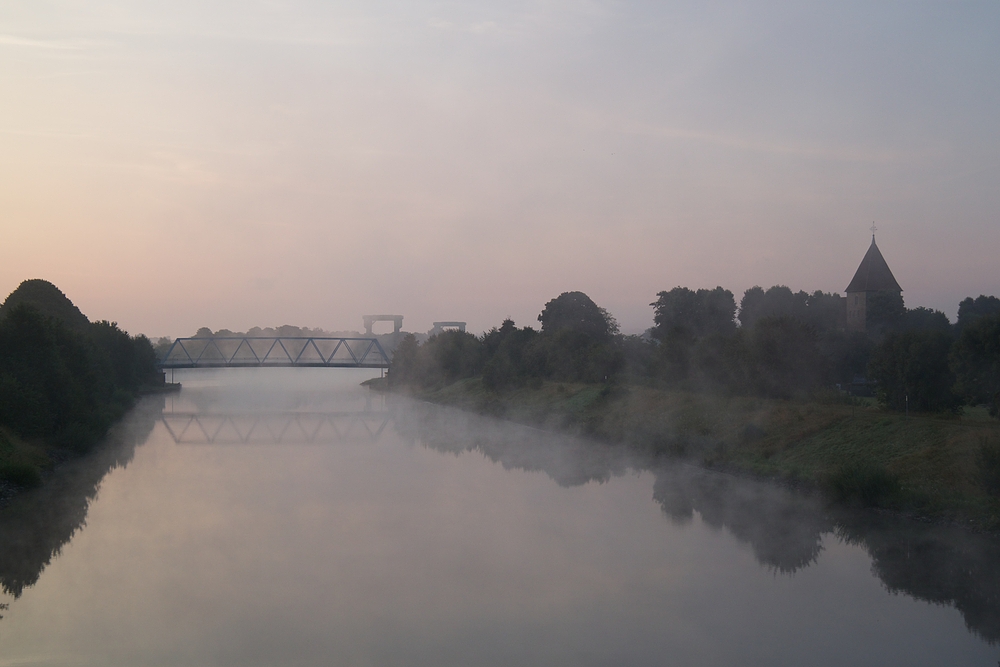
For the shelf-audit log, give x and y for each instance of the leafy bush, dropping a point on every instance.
(866, 483)
(443, 359)
(21, 474)
(975, 359)
(912, 371)
(782, 358)
(988, 462)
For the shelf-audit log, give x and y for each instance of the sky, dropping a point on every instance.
(255, 163)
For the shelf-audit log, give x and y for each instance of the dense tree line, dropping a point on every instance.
(64, 379)
(777, 343)
(577, 342)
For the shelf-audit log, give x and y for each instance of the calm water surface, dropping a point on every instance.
(292, 518)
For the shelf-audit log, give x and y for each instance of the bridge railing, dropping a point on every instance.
(276, 352)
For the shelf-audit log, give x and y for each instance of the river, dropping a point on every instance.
(291, 517)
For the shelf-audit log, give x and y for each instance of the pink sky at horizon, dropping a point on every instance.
(307, 163)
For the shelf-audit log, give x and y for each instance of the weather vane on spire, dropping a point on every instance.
(873, 229)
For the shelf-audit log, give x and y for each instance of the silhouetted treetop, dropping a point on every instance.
(821, 310)
(62, 378)
(48, 300)
(971, 309)
(575, 311)
(926, 319)
(695, 314)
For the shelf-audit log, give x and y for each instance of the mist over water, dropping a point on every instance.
(263, 517)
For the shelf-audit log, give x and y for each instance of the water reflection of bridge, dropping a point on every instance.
(248, 428)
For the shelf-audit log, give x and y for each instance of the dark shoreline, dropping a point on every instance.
(57, 458)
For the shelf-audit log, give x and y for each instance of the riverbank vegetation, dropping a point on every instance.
(63, 379)
(900, 416)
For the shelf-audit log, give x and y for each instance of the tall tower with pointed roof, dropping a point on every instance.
(872, 276)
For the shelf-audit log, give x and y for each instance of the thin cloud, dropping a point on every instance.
(48, 44)
(474, 28)
(799, 149)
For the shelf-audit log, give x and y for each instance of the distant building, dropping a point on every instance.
(439, 327)
(872, 276)
(370, 320)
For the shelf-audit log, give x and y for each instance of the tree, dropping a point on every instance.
(443, 359)
(911, 370)
(694, 314)
(575, 311)
(458, 354)
(777, 301)
(971, 309)
(578, 341)
(782, 358)
(884, 311)
(925, 319)
(847, 353)
(49, 301)
(825, 311)
(403, 367)
(573, 356)
(508, 359)
(67, 383)
(640, 356)
(975, 360)
(131, 362)
(821, 310)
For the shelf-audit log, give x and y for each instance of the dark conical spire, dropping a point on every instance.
(874, 274)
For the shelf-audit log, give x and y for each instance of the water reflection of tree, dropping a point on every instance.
(35, 525)
(939, 564)
(783, 527)
(568, 461)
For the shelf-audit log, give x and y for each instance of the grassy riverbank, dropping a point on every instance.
(942, 467)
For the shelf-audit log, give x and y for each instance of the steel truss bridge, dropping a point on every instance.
(276, 352)
(264, 428)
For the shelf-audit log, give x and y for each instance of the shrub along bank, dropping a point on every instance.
(63, 379)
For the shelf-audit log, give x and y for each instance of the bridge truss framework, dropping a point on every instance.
(274, 352)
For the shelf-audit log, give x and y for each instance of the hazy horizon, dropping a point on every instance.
(306, 163)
